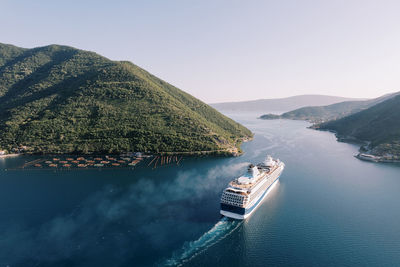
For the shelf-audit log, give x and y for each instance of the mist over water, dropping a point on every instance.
(328, 209)
(127, 219)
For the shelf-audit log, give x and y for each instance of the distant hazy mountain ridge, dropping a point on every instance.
(58, 99)
(279, 104)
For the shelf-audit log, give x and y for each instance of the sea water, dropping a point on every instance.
(328, 209)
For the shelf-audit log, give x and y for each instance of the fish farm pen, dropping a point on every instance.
(83, 162)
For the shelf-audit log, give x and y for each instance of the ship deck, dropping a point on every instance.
(235, 184)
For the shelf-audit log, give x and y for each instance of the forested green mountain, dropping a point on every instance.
(319, 114)
(58, 99)
(379, 125)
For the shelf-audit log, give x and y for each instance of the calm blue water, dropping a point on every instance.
(329, 209)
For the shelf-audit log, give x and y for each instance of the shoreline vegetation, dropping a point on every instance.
(366, 152)
(377, 126)
(232, 151)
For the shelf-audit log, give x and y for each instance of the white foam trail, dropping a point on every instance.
(190, 249)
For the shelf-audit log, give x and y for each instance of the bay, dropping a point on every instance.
(328, 209)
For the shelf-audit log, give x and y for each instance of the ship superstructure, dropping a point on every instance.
(244, 194)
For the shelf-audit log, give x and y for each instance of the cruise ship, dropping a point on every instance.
(244, 194)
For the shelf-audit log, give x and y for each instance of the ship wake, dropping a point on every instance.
(218, 232)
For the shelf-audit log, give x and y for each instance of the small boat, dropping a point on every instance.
(80, 158)
(75, 161)
(53, 165)
(48, 162)
(98, 165)
(38, 165)
(82, 165)
(104, 162)
(115, 164)
(69, 159)
(63, 161)
(368, 157)
(121, 161)
(56, 159)
(67, 165)
(132, 163)
(98, 159)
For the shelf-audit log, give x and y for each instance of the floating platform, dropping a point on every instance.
(84, 162)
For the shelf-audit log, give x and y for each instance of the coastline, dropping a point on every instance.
(234, 151)
(375, 158)
(366, 153)
(230, 150)
(10, 155)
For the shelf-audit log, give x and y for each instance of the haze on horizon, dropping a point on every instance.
(222, 51)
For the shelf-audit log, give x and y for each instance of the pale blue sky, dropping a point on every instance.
(228, 50)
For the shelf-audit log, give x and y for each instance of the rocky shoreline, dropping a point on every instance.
(374, 158)
(380, 153)
(9, 155)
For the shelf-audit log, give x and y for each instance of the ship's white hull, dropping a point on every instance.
(234, 215)
(253, 208)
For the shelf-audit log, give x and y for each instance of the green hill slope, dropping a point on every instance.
(324, 113)
(379, 125)
(59, 99)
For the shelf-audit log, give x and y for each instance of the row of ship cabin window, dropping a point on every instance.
(233, 199)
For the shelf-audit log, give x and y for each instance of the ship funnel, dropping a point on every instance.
(269, 162)
(253, 170)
